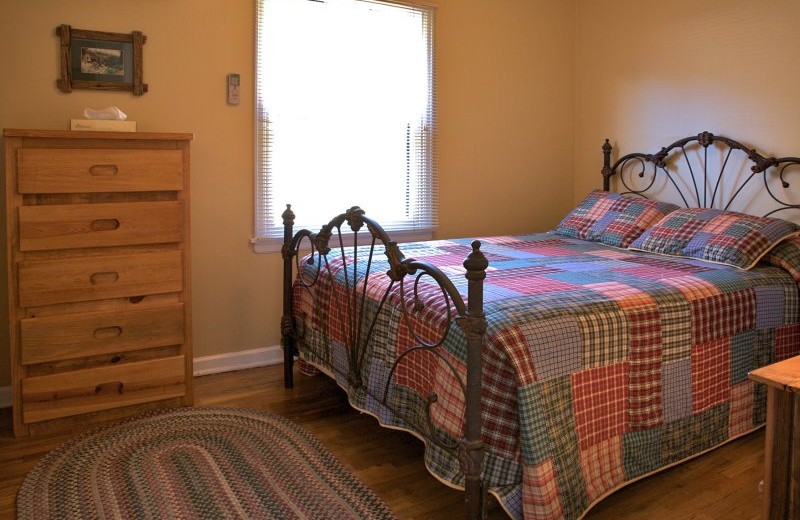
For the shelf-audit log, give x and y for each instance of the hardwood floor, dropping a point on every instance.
(719, 485)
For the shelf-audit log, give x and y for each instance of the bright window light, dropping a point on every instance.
(345, 114)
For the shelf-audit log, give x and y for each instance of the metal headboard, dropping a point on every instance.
(698, 167)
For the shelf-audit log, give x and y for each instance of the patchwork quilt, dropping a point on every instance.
(601, 365)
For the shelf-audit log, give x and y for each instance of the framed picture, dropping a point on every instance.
(101, 60)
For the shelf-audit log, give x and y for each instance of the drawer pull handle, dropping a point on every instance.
(112, 386)
(107, 332)
(105, 224)
(103, 169)
(104, 277)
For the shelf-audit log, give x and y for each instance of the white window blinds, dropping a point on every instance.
(345, 115)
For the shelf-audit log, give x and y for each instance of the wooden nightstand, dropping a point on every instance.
(782, 449)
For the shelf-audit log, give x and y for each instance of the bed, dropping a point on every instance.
(553, 368)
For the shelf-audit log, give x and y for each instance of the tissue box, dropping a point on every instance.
(106, 125)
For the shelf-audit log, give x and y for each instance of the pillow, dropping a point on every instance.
(715, 235)
(786, 255)
(611, 218)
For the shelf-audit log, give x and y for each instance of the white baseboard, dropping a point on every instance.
(229, 361)
(257, 357)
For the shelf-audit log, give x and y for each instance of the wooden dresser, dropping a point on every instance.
(99, 289)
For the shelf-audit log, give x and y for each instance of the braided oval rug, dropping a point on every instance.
(196, 463)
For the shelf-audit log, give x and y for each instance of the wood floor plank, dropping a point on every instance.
(721, 484)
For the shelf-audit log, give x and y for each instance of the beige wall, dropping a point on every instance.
(505, 90)
(522, 84)
(648, 73)
(505, 114)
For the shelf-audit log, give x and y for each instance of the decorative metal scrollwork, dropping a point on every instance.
(419, 290)
(355, 218)
(687, 168)
(705, 139)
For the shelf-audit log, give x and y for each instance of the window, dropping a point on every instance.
(344, 115)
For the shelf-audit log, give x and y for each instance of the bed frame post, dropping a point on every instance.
(287, 331)
(474, 327)
(606, 171)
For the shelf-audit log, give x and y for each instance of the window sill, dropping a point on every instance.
(273, 245)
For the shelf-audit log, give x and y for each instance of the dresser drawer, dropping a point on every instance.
(48, 170)
(46, 282)
(83, 391)
(66, 226)
(69, 336)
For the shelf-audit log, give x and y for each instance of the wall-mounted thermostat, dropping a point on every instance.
(233, 89)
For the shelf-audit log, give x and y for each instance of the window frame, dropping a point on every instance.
(268, 237)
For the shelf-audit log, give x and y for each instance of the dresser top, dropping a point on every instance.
(78, 134)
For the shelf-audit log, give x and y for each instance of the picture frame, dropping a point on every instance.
(97, 60)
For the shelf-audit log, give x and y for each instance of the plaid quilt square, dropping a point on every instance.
(711, 375)
(675, 320)
(693, 287)
(501, 408)
(602, 467)
(414, 319)
(724, 282)
(644, 368)
(694, 434)
(742, 355)
(715, 235)
(339, 359)
(787, 339)
(540, 493)
(600, 396)
(604, 333)
(741, 417)
(545, 249)
(447, 413)
(612, 254)
(676, 386)
(527, 285)
(625, 295)
(649, 271)
(674, 265)
(493, 293)
(764, 347)
(377, 393)
(723, 315)
(537, 444)
(336, 313)
(555, 346)
(641, 452)
(416, 371)
(769, 307)
(559, 397)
